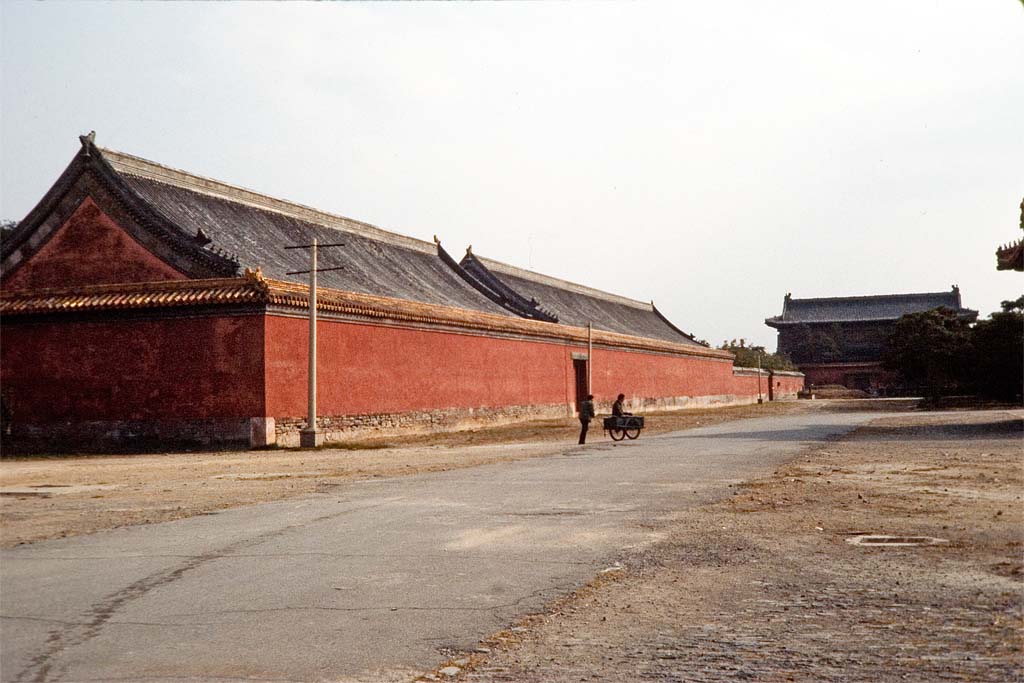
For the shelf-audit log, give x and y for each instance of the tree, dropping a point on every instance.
(809, 344)
(997, 353)
(1013, 305)
(930, 350)
(747, 356)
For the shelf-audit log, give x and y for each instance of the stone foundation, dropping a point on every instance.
(341, 428)
(105, 436)
(259, 432)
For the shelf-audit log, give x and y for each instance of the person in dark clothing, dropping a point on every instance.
(586, 415)
(617, 406)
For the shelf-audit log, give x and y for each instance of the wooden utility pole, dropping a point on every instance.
(759, 399)
(311, 436)
(590, 358)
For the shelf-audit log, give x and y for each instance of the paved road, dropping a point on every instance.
(370, 581)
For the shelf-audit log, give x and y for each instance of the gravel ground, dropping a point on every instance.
(766, 586)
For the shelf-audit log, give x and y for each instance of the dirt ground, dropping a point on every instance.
(55, 496)
(766, 586)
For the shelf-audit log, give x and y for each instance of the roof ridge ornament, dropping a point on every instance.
(87, 141)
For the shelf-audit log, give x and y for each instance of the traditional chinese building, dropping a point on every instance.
(143, 302)
(840, 340)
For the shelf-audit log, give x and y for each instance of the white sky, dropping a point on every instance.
(711, 156)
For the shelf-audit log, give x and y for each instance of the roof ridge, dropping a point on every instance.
(860, 297)
(540, 278)
(130, 164)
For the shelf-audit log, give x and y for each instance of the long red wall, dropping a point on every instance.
(177, 370)
(170, 369)
(213, 367)
(367, 369)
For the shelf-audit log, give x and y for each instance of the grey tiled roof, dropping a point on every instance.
(865, 308)
(577, 305)
(254, 228)
(213, 229)
(395, 267)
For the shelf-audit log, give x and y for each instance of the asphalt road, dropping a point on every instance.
(373, 580)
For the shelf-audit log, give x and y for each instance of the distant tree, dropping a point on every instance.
(930, 350)
(810, 344)
(747, 356)
(1015, 304)
(997, 353)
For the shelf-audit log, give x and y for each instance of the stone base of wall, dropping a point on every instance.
(256, 432)
(341, 428)
(106, 436)
(638, 405)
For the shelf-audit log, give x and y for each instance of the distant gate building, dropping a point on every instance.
(841, 340)
(143, 302)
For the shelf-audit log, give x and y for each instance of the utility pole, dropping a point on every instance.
(590, 358)
(759, 399)
(311, 436)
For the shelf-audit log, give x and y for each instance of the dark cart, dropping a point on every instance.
(623, 426)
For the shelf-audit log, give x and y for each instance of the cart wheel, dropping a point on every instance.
(617, 434)
(633, 432)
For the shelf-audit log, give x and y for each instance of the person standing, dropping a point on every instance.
(586, 415)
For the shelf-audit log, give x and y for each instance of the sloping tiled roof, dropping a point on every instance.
(255, 229)
(212, 229)
(864, 308)
(572, 304)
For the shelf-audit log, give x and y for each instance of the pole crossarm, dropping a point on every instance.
(318, 246)
(319, 270)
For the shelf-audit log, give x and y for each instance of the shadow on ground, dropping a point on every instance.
(1006, 428)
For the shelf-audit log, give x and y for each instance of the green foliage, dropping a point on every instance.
(997, 354)
(938, 352)
(747, 356)
(811, 344)
(1014, 305)
(929, 350)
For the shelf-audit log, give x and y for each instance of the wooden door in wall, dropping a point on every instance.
(580, 369)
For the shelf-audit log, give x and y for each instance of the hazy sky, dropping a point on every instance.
(711, 156)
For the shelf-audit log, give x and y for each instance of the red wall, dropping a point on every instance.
(138, 370)
(839, 374)
(366, 369)
(785, 384)
(181, 369)
(651, 375)
(89, 249)
(370, 369)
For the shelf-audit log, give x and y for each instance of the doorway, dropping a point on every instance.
(579, 367)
